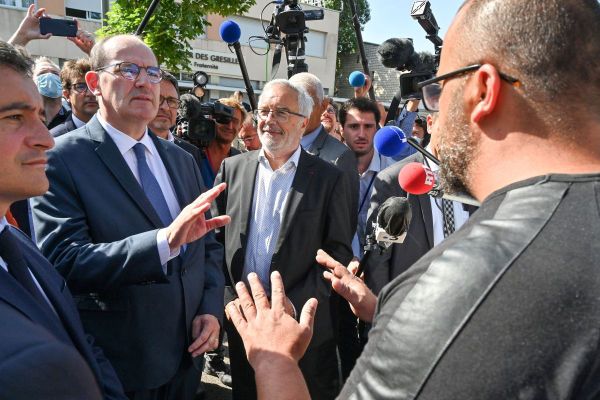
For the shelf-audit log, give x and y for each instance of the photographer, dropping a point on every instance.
(220, 147)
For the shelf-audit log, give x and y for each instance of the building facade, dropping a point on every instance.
(210, 54)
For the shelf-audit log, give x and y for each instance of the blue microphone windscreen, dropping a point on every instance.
(230, 31)
(389, 141)
(356, 79)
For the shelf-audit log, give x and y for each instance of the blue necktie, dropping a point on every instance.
(150, 185)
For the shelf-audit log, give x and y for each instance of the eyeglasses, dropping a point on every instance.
(280, 115)
(330, 110)
(432, 90)
(248, 138)
(80, 87)
(172, 102)
(131, 71)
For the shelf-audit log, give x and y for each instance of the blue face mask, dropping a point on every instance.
(49, 85)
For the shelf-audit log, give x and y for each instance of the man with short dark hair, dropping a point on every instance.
(44, 352)
(124, 221)
(505, 307)
(358, 118)
(82, 101)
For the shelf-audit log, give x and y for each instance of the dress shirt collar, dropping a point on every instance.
(375, 165)
(76, 121)
(308, 140)
(125, 142)
(3, 224)
(292, 161)
(432, 166)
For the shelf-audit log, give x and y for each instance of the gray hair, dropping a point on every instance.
(305, 102)
(311, 83)
(43, 61)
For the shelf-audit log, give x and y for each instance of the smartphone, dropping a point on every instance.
(58, 27)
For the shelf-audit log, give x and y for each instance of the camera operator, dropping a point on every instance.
(220, 147)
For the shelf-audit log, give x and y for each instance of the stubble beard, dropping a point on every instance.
(457, 148)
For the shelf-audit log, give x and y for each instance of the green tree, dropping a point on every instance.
(172, 26)
(346, 34)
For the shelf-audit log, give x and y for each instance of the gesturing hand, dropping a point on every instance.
(353, 289)
(268, 332)
(191, 223)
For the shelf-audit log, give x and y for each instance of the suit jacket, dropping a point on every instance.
(332, 150)
(316, 217)
(67, 126)
(99, 229)
(43, 355)
(190, 148)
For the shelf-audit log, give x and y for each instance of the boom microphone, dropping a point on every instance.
(230, 33)
(400, 54)
(416, 178)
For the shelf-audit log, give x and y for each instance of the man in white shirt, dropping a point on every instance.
(122, 222)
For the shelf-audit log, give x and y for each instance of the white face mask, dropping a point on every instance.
(418, 139)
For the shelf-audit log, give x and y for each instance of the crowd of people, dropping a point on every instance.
(127, 252)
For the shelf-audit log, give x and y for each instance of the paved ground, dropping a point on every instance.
(214, 389)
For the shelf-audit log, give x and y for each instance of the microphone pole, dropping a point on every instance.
(422, 150)
(361, 45)
(249, 89)
(149, 12)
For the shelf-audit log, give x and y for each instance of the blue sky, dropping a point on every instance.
(391, 18)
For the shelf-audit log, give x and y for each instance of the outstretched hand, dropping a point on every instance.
(268, 331)
(29, 29)
(353, 289)
(191, 223)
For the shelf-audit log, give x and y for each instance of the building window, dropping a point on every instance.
(17, 3)
(73, 12)
(82, 14)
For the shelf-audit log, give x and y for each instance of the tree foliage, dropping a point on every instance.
(346, 35)
(172, 26)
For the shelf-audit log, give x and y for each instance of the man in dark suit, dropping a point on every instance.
(166, 117)
(44, 352)
(426, 227)
(83, 102)
(115, 223)
(318, 142)
(286, 204)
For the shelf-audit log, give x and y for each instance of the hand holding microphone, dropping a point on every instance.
(360, 82)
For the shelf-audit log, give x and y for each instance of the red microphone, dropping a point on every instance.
(416, 178)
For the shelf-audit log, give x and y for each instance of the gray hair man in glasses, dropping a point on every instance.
(505, 307)
(82, 101)
(124, 222)
(285, 204)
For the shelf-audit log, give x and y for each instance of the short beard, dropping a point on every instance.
(457, 148)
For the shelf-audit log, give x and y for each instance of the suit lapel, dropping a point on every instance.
(425, 203)
(113, 160)
(304, 174)
(319, 142)
(245, 196)
(169, 159)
